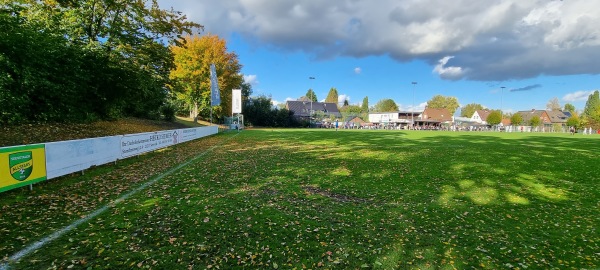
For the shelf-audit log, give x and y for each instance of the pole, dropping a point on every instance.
(311, 112)
(412, 111)
(501, 94)
(311, 102)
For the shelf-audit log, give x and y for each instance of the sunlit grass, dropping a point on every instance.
(345, 199)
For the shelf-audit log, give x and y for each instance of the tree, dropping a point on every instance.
(591, 112)
(553, 104)
(516, 119)
(246, 92)
(569, 108)
(346, 102)
(441, 102)
(355, 109)
(310, 94)
(125, 27)
(365, 105)
(573, 121)
(350, 110)
(535, 121)
(284, 118)
(87, 59)
(332, 96)
(469, 109)
(386, 105)
(192, 73)
(494, 118)
(258, 111)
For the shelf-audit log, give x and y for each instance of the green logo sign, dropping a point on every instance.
(21, 165)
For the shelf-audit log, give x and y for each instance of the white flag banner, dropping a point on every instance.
(236, 101)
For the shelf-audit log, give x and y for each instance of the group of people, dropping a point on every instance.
(586, 131)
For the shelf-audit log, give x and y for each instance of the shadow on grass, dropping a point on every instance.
(352, 199)
(474, 200)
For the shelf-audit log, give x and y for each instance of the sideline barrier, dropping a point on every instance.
(28, 164)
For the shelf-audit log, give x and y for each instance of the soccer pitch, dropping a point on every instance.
(312, 198)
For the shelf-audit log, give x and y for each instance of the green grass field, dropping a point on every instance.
(325, 199)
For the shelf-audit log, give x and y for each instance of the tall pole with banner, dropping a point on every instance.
(236, 105)
(215, 95)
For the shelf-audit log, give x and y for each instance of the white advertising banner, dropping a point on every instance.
(67, 157)
(189, 134)
(236, 101)
(207, 131)
(73, 156)
(135, 144)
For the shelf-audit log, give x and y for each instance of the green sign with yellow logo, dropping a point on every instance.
(22, 165)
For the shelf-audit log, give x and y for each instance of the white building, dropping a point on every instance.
(395, 118)
(480, 116)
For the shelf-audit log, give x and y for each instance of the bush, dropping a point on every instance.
(168, 112)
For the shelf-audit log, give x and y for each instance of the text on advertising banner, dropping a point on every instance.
(136, 144)
(22, 165)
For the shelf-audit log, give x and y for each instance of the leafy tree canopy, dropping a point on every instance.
(87, 59)
(535, 121)
(569, 108)
(386, 105)
(469, 109)
(591, 112)
(259, 111)
(516, 119)
(573, 121)
(310, 94)
(441, 102)
(192, 72)
(125, 26)
(365, 105)
(494, 118)
(332, 96)
(351, 109)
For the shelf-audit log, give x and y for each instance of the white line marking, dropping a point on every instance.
(35, 246)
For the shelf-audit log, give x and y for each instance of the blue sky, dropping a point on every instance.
(536, 49)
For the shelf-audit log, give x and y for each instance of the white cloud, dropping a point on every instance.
(420, 107)
(251, 79)
(410, 108)
(452, 73)
(343, 97)
(492, 40)
(276, 103)
(577, 96)
(357, 70)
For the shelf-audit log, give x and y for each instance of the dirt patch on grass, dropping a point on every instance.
(335, 196)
